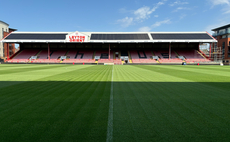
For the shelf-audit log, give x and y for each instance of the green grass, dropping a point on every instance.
(150, 103)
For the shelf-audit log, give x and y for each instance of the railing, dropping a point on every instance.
(221, 33)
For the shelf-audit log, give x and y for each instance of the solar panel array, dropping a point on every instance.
(174, 36)
(36, 36)
(119, 37)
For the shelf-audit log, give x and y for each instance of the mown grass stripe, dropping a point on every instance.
(110, 114)
(151, 103)
(178, 109)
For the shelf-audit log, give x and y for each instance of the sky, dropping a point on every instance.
(115, 15)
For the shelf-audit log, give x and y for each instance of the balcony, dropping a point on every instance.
(221, 33)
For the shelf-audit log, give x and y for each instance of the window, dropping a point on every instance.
(222, 31)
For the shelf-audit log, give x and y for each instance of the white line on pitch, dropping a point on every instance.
(110, 117)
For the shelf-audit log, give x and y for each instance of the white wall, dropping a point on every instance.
(4, 27)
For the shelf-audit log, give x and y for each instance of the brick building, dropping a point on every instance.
(4, 27)
(222, 34)
(4, 31)
(12, 48)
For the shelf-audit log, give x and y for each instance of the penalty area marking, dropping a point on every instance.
(109, 137)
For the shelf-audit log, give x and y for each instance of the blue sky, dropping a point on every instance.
(115, 16)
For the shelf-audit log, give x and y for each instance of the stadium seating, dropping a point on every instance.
(104, 56)
(191, 55)
(142, 56)
(43, 54)
(85, 54)
(26, 54)
(88, 55)
(71, 54)
(58, 53)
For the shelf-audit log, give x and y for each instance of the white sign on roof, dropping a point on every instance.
(76, 37)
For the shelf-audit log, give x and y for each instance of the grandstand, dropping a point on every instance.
(117, 47)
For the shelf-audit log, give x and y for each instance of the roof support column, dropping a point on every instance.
(169, 50)
(109, 51)
(48, 51)
(7, 51)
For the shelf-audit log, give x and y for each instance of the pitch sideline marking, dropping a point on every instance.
(110, 117)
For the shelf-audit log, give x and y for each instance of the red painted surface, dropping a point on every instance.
(210, 35)
(7, 51)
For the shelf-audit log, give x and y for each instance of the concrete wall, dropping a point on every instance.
(4, 27)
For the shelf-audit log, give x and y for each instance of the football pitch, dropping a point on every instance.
(114, 103)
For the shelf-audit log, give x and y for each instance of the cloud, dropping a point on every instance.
(144, 29)
(139, 15)
(178, 3)
(124, 10)
(145, 11)
(182, 16)
(156, 24)
(227, 11)
(224, 3)
(181, 8)
(220, 2)
(159, 23)
(125, 22)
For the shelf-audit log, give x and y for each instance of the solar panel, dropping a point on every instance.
(174, 36)
(36, 36)
(119, 37)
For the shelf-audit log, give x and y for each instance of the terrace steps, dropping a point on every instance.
(38, 53)
(66, 53)
(201, 54)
